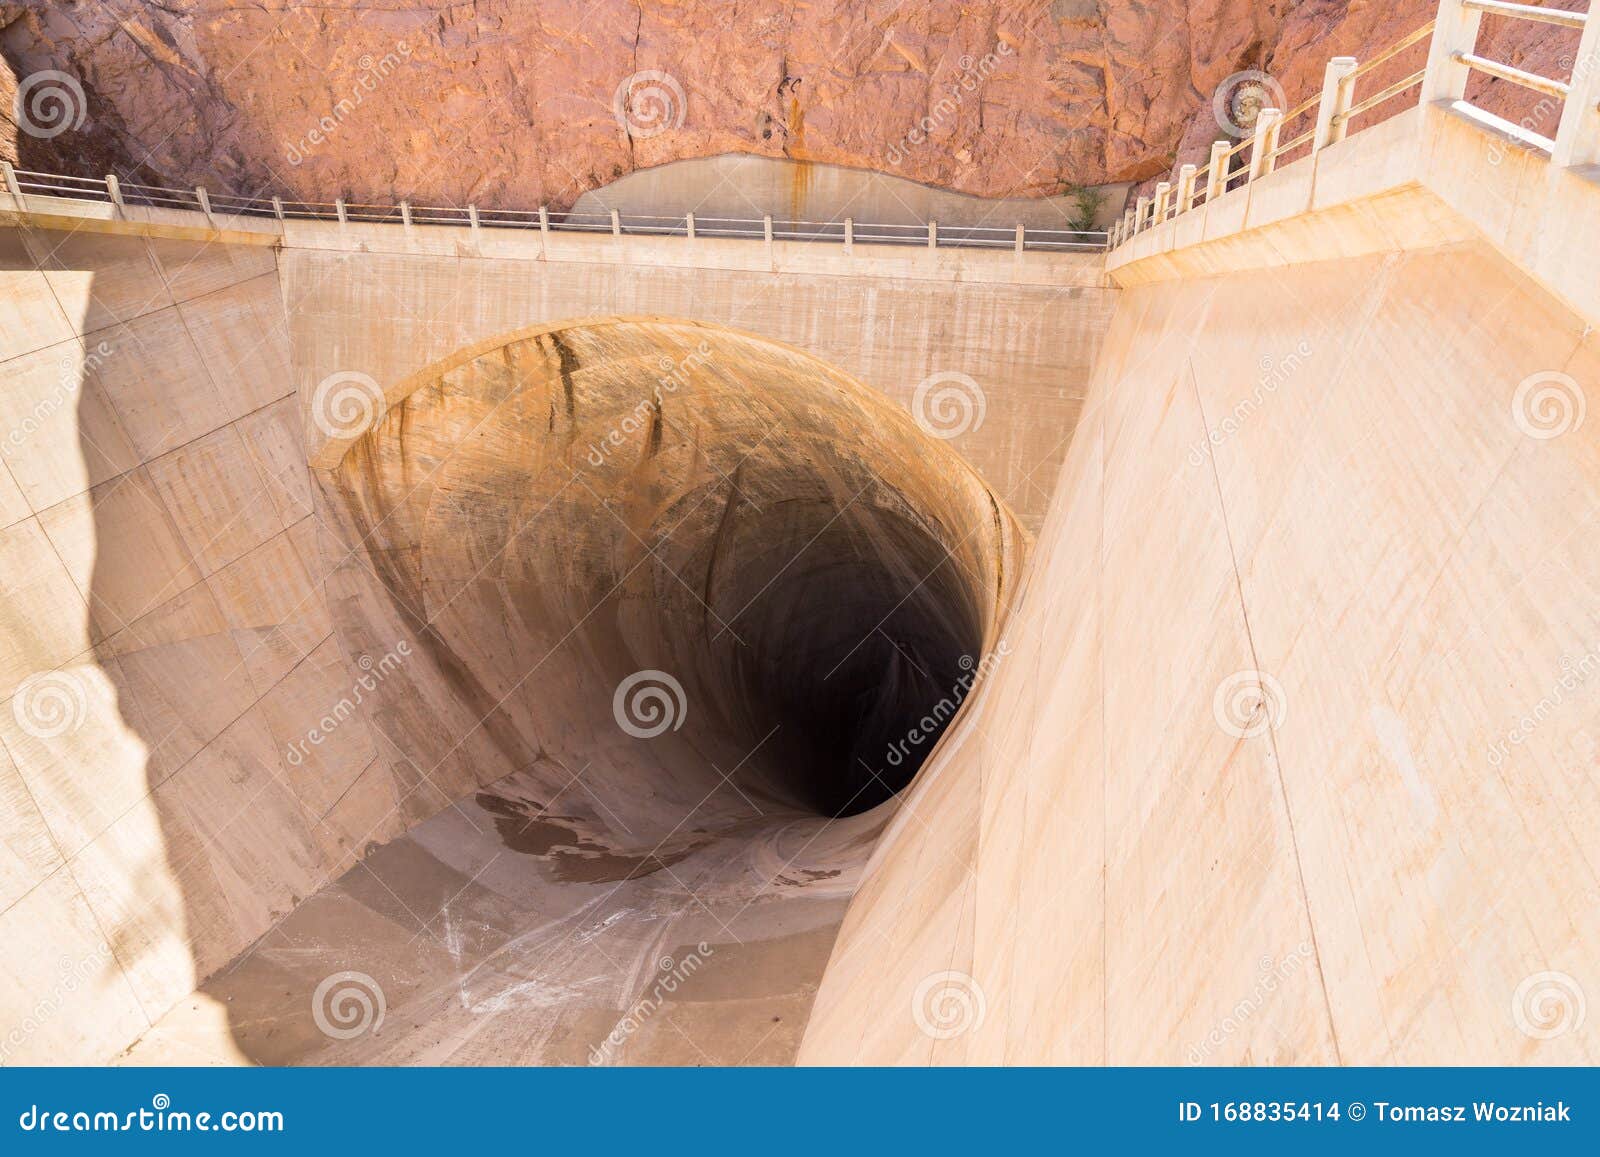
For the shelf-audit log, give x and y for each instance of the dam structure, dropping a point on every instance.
(473, 636)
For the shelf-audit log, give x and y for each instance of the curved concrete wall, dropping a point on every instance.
(1294, 758)
(739, 185)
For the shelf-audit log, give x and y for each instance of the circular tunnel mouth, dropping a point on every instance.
(806, 578)
(856, 658)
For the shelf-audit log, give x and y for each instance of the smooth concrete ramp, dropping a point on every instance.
(1296, 756)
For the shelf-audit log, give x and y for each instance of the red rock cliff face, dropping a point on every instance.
(516, 102)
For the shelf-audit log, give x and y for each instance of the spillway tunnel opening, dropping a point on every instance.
(850, 655)
(736, 570)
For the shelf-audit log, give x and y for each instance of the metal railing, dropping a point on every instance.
(1452, 36)
(1462, 52)
(121, 193)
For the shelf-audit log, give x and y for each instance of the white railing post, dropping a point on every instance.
(405, 213)
(1141, 212)
(338, 207)
(205, 203)
(849, 235)
(114, 191)
(1217, 173)
(1578, 138)
(1186, 188)
(277, 207)
(616, 223)
(1021, 240)
(1338, 93)
(688, 224)
(472, 218)
(933, 234)
(11, 182)
(1163, 192)
(1455, 29)
(544, 231)
(1266, 140)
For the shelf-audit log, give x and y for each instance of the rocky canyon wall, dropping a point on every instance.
(517, 103)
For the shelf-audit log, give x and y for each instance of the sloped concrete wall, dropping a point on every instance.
(165, 637)
(1295, 757)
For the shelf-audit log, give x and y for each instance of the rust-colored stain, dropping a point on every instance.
(800, 174)
(800, 179)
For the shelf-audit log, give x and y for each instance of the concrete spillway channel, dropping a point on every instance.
(705, 595)
(389, 683)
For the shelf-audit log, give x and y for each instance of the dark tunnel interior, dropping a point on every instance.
(857, 651)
